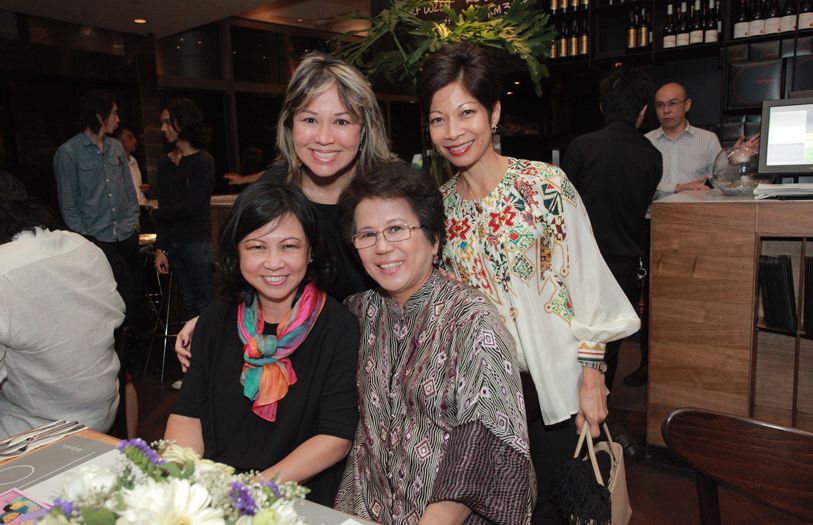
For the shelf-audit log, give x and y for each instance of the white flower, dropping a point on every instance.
(178, 454)
(89, 481)
(176, 502)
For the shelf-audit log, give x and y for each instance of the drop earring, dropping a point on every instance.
(493, 130)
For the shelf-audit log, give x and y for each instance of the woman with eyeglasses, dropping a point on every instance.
(442, 436)
(517, 231)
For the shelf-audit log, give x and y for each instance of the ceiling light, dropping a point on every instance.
(516, 82)
(139, 20)
(510, 93)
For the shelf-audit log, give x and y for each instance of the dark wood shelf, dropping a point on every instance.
(687, 52)
(787, 35)
(744, 110)
(621, 6)
(761, 327)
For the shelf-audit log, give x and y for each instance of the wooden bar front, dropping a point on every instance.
(704, 310)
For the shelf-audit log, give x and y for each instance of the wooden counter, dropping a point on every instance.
(705, 348)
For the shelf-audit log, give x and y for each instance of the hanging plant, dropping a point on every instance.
(398, 40)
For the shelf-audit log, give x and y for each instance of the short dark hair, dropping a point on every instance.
(94, 105)
(187, 120)
(17, 212)
(623, 94)
(473, 66)
(396, 180)
(260, 204)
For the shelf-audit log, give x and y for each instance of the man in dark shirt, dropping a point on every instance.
(616, 171)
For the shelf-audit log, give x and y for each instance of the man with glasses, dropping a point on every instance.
(688, 152)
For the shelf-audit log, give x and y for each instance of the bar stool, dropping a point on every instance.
(163, 304)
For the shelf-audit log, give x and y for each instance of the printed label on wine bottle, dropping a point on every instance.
(668, 41)
(682, 39)
(696, 37)
(772, 25)
(756, 27)
(741, 30)
(712, 36)
(788, 23)
(806, 20)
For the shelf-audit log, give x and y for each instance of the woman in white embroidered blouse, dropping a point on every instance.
(517, 231)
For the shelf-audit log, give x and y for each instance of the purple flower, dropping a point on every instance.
(274, 488)
(142, 447)
(67, 507)
(242, 498)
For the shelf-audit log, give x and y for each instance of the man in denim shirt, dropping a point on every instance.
(96, 194)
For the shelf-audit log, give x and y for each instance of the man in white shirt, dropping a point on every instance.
(688, 152)
(58, 310)
(129, 142)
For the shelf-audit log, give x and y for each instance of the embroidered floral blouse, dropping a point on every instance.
(441, 410)
(528, 246)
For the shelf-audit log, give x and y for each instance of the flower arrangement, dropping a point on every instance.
(170, 484)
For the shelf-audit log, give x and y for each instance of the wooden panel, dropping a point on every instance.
(785, 218)
(804, 397)
(701, 311)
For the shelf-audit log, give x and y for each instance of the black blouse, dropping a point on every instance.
(322, 401)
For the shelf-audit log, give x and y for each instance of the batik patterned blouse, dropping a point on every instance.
(442, 415)
(529, 248)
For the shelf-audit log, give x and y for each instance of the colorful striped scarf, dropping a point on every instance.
(267, 371)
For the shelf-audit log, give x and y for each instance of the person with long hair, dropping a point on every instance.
(330, 128)
(272, 385)
(185, 180)
(517, 231)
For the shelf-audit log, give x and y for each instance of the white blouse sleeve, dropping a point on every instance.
(601, 311)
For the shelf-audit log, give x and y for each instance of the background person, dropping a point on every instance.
(330, 129)
(129, 142)
(97, 198)
(272, 385)
(442, 436)
(58, 310)
(517, 231)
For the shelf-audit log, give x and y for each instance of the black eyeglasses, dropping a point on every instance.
(394, 233)
(672, 104)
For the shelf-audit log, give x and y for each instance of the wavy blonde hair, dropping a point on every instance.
(316, 73)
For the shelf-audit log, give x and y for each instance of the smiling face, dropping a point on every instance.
(274, 261)
(326, 136)
(169, 131)
(460, 126)
(401, 267)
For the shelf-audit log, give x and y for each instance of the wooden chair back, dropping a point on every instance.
(119, 428)
(768, 463)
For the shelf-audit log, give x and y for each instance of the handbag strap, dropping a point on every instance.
(585, 437)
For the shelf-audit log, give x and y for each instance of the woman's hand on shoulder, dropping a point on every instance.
(592, 401)
(183, 343)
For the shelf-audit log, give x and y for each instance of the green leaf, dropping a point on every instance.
(97, 516)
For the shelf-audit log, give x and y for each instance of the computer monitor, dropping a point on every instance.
(786, 138)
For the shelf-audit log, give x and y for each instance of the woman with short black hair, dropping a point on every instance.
(272, 385)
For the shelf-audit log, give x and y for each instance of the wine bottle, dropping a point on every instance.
(756, 26)
(696, 29)
(773, 17)
(632, 31)
(711, 34)
(553, 51)
(574, 5)
(682, 38)
(643, 29)
(564, 35)
(585, 4)
(741, 21)
(584, 39)
(554, 6)
(788, 21)
(719, 16)
(669, 28)
(806, 15)
(575, 33)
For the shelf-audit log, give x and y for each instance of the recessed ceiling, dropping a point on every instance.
(167, 17)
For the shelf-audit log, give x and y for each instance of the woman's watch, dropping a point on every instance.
(601, 366)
